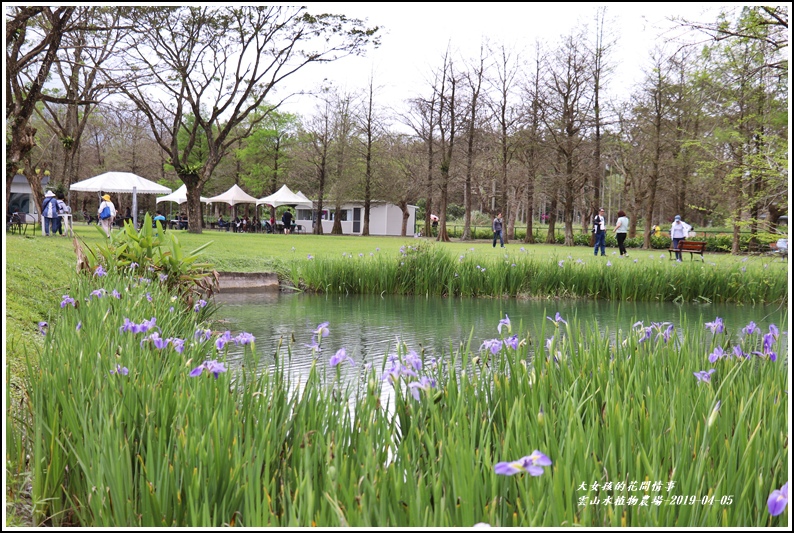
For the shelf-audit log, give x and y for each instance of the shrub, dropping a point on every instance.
(152, 250)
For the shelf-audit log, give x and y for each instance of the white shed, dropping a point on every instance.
(384, 218)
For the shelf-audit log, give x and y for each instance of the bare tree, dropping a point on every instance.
(320, 133)
(657, 90)
(447, 128)
(343, 131)
(33, 37)
(370, 127)
(504, 112)
(423, 121)
(83, 51)
(216, 65)
(599, 70)
(567, 106)
(474, 80)
(529, 151)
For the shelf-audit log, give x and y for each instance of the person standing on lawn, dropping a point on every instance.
(600, 232)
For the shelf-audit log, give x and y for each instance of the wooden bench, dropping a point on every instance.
(693, 247)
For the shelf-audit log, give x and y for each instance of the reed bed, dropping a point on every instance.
(135, 421)
(431, 270)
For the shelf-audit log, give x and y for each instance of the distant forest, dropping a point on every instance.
(186, 95)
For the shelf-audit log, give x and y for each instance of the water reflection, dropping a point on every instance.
(368, 326)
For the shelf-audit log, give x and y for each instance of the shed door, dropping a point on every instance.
(356, 220)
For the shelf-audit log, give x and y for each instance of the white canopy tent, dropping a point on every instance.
(235, 195)
(121, 182)
(179, 196)
(283, 196)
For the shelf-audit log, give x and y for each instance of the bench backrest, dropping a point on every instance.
(692, 245)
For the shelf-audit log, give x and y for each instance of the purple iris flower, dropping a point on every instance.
(116, 294)
(100, 271)
(717, 354)
(704, 375)
(314, 346)
(177, 343)
(413, 359)
(322, 330)
(557, 319)
(79, 326)
(504, 322)
(213, 367)
(163, 278)
(158, 341)
(244, 338)
(494, 345)
(751, 328)
(202, 334)
(646, 334)
(120, 370)
(665, 335)
(341, 355)
(737, 351)
(99, 293)
(560, 263)
(149, 296)
(512, 342)
(67, 300)
(778, 500)
(774, 331)
(222, 339)
(766, 348)
(549, 343)
(43, 328)
(717, 326)
(424, 384)
(531, 463)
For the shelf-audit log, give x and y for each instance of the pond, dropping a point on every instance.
(368, 326)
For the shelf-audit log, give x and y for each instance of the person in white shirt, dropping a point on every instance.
(678, 232)
(107, 222)
(621, 231)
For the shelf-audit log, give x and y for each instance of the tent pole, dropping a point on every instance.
(135, 207)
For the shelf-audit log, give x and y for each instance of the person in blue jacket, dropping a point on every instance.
(49, 209)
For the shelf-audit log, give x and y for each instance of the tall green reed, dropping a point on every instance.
(425, 269)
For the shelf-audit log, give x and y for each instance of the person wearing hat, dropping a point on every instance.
(600, 232)
(678, 232)
(49, 210)
(106, 216)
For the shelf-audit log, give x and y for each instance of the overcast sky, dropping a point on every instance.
(415, 36)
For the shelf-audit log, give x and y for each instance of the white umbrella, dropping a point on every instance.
(179, 196)
(121, 182)
(433, 217)
(283, 196)
(235, 195)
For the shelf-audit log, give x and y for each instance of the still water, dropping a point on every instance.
(368, 326)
